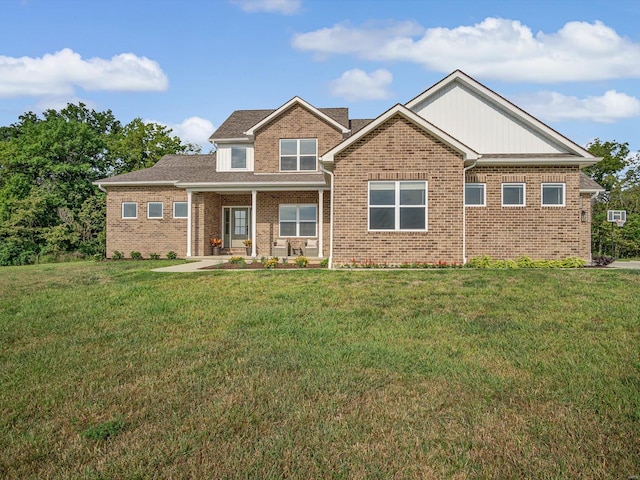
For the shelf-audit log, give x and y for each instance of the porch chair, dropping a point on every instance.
(280, 248)
(311, 247)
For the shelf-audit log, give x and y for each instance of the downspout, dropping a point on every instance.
(464, 212)
(324, 170)
(101, 188)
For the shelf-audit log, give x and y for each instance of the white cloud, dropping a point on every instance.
(356, 84)
(555, 106)
(286, 7)
(58, 74)
(193, 130)
(494, 48)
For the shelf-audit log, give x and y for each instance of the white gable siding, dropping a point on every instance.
(481, 124)
(223, 157)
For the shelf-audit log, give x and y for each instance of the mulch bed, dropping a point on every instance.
(258, 266)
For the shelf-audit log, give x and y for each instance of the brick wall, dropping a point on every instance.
(296, 122)
(145, 235)
(533, 230)
(398, 150)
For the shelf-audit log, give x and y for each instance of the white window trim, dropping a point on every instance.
(553, 184)
(246, 159)
(397, 205)
(155, 218)
(524, 194)
(484, 195)
(174, 211)
(298, 205)
(129, 203)
(298, 155)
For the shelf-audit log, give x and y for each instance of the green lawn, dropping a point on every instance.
(112, 371)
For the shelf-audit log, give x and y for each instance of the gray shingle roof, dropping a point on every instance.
(356, 124)
(587, 183)
(202, 169)
(242, 120)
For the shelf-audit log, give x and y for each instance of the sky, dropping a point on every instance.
(188, 64)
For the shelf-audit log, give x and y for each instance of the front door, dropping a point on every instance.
(238, 226)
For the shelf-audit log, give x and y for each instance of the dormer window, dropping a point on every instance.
(298, 154)
(238, 158)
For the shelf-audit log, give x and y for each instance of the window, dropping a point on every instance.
(553, 194)
(298, 220)
(238, 157)
(298, 155)
(180, 209)
(474, 194)
(513, 195)
(397, 205)
(129, 210)
(154, 210)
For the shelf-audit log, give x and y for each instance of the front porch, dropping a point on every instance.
(260, 218)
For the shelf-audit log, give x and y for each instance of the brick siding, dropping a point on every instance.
(296, 122)
(398, 150)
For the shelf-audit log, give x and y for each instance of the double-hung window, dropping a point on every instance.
(298, 220)
(154, 209)
(513, 195)
(398, 205)
(238, 158)
(298, 155)
(552, 194)
(129, 210)
(475, 194)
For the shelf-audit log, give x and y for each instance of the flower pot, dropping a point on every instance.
(248, 250)
(215, 250)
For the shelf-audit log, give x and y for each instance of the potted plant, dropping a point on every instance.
(216, 244)
(247, 245)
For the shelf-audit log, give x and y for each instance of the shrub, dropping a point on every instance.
(154, 256)
(301, 261)
(172, 255)
(98, 257)
(135, 255)
(486, 261)
(117, 255)
(271, 263)
(237, 259)
(324, 263)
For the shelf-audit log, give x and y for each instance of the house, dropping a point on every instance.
(456, 172)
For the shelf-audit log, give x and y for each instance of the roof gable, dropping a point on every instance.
(467, 153)
(299, 101)
(486, 121)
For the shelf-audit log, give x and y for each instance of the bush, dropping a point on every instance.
(271, 263)
(172, 255)
(486, 261)
(237, 260)
(154, 256)
(301, 261)
(135, 255)
(117, 255)
(98, 257)
(324, 263)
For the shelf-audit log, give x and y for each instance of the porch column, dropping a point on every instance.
(254, 198)
(189, 204)
(320, 221)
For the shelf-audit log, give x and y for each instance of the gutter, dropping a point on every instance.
(464, 211)
(101, 188)
(322, 169)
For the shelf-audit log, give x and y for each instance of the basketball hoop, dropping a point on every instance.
(620, 222)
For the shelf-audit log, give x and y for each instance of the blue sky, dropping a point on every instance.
(188, 64)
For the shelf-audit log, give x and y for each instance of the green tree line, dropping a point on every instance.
(619, 173)
(49, 208)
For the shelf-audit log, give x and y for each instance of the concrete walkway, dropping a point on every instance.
(633, 265)
(193, 266)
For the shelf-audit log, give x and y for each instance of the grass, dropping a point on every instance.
(109, 370)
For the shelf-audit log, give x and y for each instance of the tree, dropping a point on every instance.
(48, 204)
